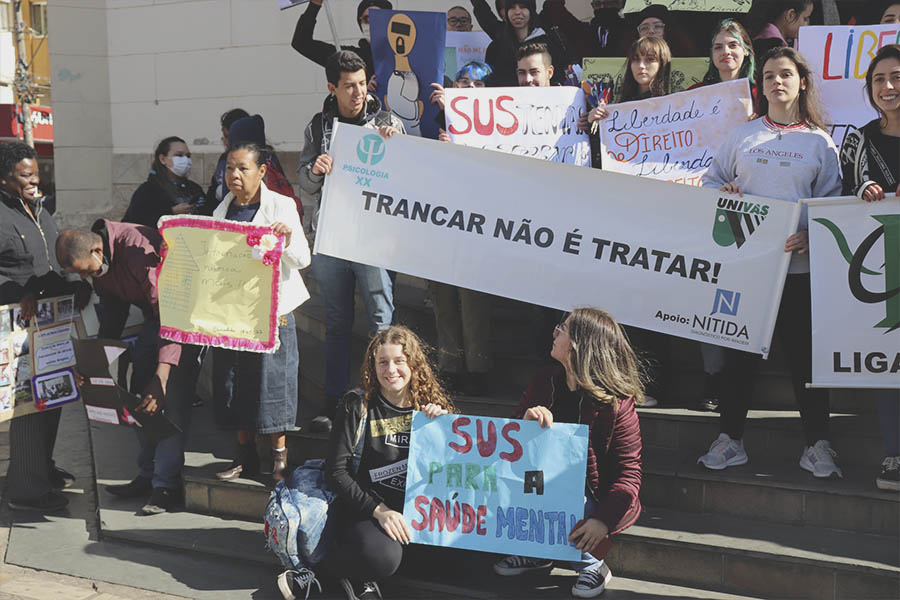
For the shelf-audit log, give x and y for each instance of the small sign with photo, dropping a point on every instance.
(55, 389)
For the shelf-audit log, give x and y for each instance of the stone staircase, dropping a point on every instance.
(763, 530)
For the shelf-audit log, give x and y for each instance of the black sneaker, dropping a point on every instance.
(137, 487)
(367, 591)
(60, 478)
(48, 503)
(889, 478)
(293, 583)
(161, 500)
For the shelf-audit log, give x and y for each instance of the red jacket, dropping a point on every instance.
(133, 255)
(614, 448)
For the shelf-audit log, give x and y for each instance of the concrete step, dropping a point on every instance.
(772, 490)
(769, 434)
(759, 559)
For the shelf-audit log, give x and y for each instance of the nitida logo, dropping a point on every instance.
(737, 220)
(890, 229)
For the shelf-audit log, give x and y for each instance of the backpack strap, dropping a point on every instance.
(360, 440)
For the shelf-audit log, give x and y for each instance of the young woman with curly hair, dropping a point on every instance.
(397, 379)
(596, 382)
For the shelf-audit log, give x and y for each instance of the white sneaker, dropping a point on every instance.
(516, 565)
(592, 582)
(724, 452)
(818, 459)
(295, 582)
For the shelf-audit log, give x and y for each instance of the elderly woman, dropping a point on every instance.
(264, 393)
(29, 270)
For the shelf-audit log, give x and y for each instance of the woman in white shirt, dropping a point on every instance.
(265, 389)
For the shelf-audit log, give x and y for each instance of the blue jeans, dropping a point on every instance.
(588, 561)
(162, 461)
(336, 279)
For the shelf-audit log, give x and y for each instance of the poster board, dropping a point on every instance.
(37, 358)
(540, 122)
(854, 256)
(496, 485)
(736, 6)
(839, 56)
(408, 49)
(673, 138)
(468, 46)
(218, 283)
(690, 262)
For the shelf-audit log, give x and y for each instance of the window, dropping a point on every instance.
(39, 19)
(6, 19)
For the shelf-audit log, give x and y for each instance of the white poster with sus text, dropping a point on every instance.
(541, 122)
(686, 261)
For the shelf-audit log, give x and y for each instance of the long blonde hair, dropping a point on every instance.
(424, 387)
(602, 361)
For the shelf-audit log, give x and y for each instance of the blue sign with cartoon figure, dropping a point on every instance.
(408, 50)
(496, 485)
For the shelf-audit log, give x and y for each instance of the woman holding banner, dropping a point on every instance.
(264, 398)
(870, 163)
(793, 130)
(596, 383)
(369, 527)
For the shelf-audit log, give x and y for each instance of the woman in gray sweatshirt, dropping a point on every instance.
(786, 154)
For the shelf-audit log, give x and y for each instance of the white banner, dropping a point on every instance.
(673, 138)
(855, 268)
(469, 45)
(839, 57)
(686, 261)
(541, 122)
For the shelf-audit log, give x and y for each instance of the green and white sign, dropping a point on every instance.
(855, 269)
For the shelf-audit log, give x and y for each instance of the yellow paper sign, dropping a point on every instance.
(685, 72)
(218, 283)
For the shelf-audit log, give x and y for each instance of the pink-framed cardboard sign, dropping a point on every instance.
(218, 283)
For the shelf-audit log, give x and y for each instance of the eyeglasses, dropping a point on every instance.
(456, 21)
(651, 27)
(561, 328)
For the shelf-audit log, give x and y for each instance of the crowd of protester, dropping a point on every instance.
(591, 356)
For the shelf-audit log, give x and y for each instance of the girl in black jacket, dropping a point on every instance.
(521, 27)
(167, 191)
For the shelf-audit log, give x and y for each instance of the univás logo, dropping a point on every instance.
(736, 220)
(726, 302)
(890, 229)
(370, 149)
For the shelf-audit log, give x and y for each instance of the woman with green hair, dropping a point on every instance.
(730, 56)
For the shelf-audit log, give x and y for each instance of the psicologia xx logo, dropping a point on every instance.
(370, 149)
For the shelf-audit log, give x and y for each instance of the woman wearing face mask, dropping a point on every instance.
(870, 163)
(167, 191)
(781, 22)
(264, 392)
(792, 128)
(370, 531)
(521, 26)
(595, 383)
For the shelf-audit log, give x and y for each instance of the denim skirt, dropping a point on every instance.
(265, 390)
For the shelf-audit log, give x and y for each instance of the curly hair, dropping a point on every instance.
(11, 154)
(424, 387)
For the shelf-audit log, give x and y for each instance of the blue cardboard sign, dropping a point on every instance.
(496, 485)
(408, 51)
